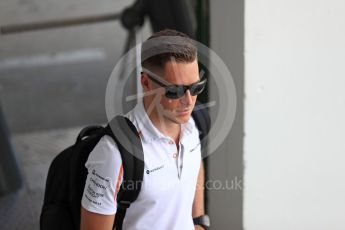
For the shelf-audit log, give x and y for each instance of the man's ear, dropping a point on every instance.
(145, 81)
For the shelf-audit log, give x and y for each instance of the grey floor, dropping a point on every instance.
(35, 151)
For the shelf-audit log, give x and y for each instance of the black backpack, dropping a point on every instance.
(67, 173)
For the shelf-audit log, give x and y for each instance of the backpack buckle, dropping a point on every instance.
(123, 204)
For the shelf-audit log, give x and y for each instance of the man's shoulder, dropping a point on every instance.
(107, 141)
(106, 148)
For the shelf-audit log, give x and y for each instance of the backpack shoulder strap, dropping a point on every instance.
(202, 120)
(126, 136)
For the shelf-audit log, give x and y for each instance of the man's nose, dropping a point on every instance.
(187, 98)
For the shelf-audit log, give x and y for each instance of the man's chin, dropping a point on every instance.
(179, 119)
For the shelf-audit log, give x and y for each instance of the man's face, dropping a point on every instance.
(176, 73)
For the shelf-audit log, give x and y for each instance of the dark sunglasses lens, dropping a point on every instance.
(197, 88)
(174, 92)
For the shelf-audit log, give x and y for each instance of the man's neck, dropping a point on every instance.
(164, 125)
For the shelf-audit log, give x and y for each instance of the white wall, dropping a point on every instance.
(294, 147)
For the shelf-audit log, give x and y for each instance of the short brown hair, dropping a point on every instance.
(166, 45)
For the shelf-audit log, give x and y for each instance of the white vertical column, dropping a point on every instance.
(294, 115)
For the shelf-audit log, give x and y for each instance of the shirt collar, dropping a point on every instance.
(145, 127)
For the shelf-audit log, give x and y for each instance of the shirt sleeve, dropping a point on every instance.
(105, 174)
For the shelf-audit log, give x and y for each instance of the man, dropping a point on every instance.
(172, 190)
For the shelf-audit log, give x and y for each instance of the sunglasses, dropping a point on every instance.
(177, 91)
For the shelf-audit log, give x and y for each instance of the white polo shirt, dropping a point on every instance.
(170, 176)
